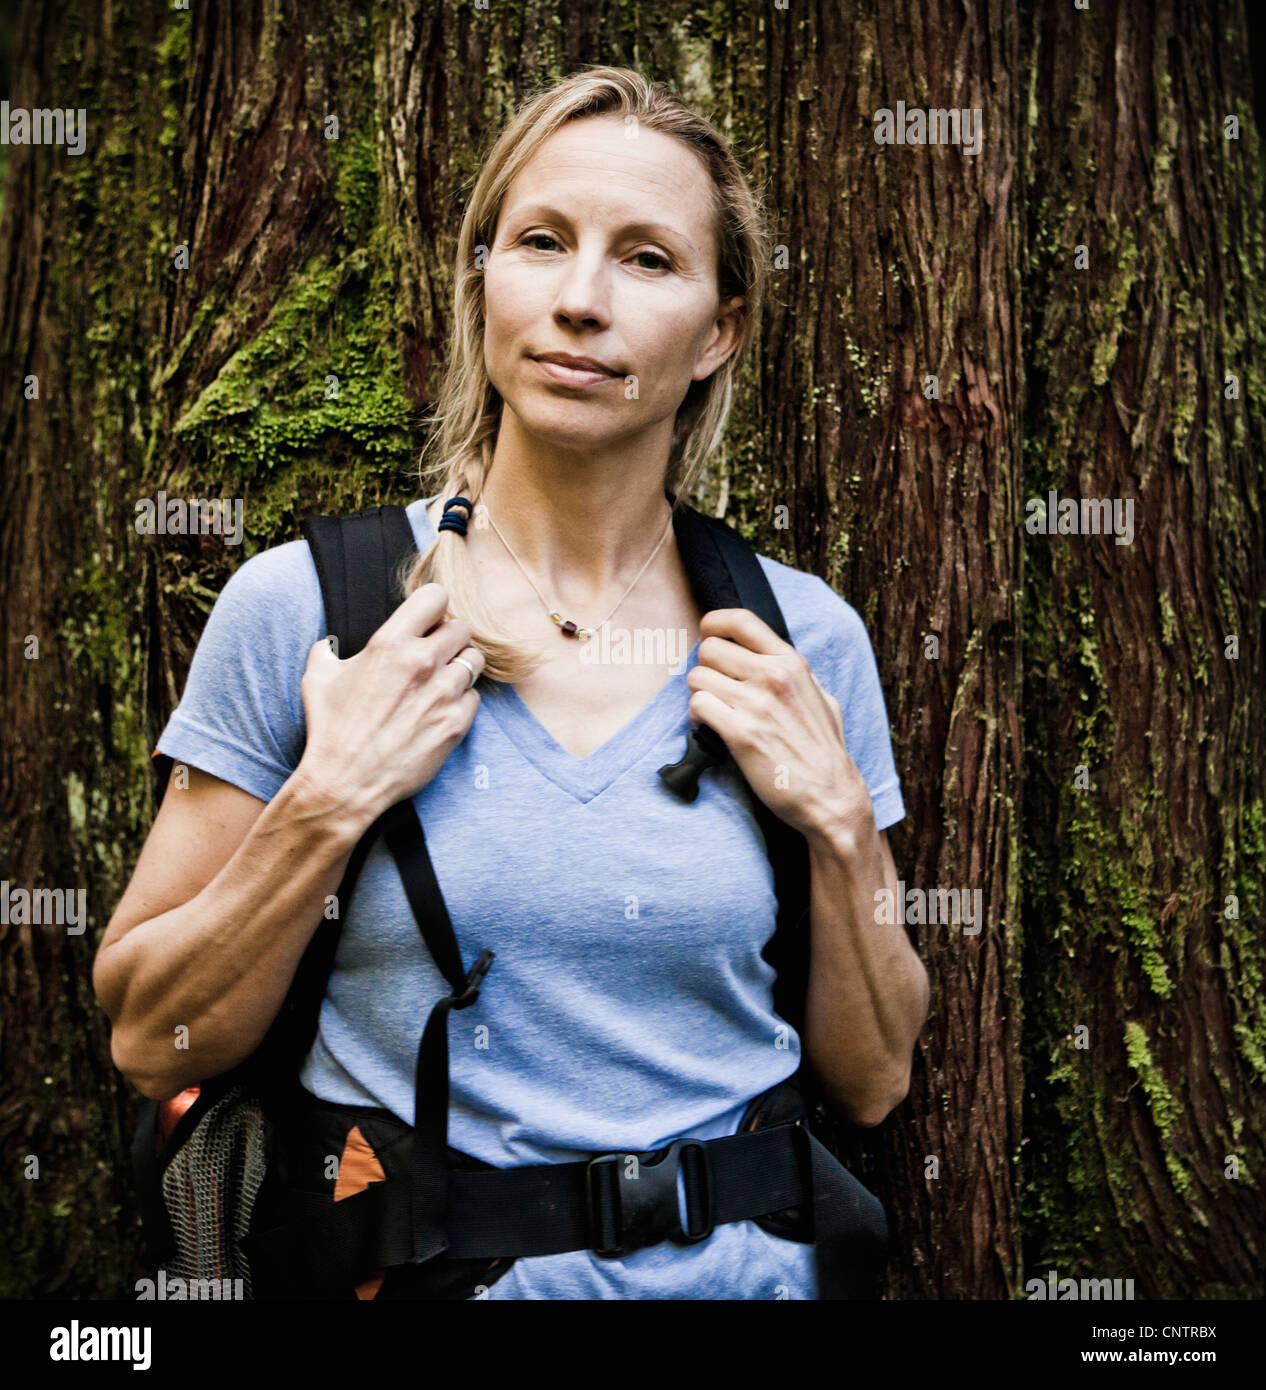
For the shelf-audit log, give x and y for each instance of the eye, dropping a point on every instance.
(662, 262)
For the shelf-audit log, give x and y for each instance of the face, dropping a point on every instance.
(606, 250)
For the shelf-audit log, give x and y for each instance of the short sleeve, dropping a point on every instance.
(847, 668)
(241, 716)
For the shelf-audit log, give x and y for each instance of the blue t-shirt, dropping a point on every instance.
(628, 1005)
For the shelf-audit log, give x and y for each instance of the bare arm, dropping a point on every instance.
(224, 899)
(868, 990)
(228, 889)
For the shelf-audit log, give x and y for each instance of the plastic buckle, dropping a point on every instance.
(643, 1210)
(474, 980)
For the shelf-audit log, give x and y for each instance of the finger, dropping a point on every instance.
(707, 708)
(324, 644)
(476, 659)
(729, 657)
(462, 678)
(743, 626)
(418, 614)
(448, 639)
(726, 688)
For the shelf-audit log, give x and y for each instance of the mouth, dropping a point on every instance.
(574, 371)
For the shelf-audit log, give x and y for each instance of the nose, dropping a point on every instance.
(583, 291)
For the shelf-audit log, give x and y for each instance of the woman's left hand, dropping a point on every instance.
(785, 731)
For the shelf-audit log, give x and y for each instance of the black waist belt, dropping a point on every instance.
(618, 1202)
(611, 1204)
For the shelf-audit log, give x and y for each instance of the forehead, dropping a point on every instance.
(592, 168)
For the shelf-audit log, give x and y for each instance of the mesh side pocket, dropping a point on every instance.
(210, 1186)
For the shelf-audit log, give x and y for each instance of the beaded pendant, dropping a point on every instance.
(570, 629)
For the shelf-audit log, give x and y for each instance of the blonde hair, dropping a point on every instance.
(468, 408)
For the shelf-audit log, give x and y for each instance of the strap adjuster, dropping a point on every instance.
(633, 1204)
(474, 979)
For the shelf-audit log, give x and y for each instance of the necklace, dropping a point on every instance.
(569, 628)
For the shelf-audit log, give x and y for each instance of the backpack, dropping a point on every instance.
(234, 1175)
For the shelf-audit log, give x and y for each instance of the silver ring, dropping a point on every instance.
(474, 675)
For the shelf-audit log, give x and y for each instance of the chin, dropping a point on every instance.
(577, 425)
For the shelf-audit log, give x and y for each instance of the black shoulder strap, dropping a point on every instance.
(724, 572)
(723, 569)
(359, 560)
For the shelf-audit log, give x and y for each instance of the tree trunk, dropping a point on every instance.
(889, 388)
(1145, 1025)
(931, 359)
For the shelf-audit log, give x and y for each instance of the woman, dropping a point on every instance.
(611, 266)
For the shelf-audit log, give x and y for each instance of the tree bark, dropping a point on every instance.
(888, 391)
(1145, 1147)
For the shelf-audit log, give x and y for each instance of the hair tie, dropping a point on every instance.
(457, 512)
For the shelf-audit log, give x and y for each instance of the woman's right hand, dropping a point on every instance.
(381, 723)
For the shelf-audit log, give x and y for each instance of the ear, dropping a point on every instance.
(726, 332)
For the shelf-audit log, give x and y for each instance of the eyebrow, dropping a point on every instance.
(531, 211)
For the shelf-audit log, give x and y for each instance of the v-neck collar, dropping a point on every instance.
(587, 777)
(591, 775)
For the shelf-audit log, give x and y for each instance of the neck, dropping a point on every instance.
(581, 526)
